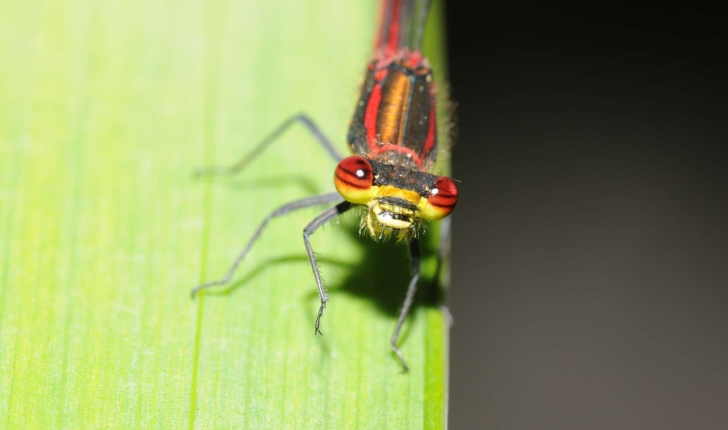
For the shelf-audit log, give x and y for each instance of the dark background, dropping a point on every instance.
(589, 246)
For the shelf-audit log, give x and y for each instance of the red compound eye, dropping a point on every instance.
(442, 199)
(353, 179)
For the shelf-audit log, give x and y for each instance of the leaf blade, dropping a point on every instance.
(105, 115)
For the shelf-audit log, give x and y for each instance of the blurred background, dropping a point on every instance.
(589, 259)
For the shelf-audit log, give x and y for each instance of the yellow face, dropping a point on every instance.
(391, 209)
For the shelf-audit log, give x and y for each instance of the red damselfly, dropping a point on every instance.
(393, 136)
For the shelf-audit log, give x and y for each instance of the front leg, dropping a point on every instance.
(321, 219)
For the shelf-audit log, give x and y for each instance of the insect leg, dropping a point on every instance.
(283, 210)
(415, 268)
(321, 219)
(269, 140)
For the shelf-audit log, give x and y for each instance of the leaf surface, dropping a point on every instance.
(106, 109)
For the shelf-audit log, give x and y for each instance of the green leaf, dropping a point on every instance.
(106, 109)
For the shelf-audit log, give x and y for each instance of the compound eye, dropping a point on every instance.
(354, 178)
(442, 199)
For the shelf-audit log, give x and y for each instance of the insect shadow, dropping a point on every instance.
(383, 275)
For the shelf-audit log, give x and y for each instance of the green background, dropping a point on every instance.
(106, 109)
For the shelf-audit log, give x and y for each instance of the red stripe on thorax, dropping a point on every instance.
(370, 116)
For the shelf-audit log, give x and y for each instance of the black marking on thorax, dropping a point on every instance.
(402, 177)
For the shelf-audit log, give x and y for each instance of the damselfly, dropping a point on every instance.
(393, 135)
